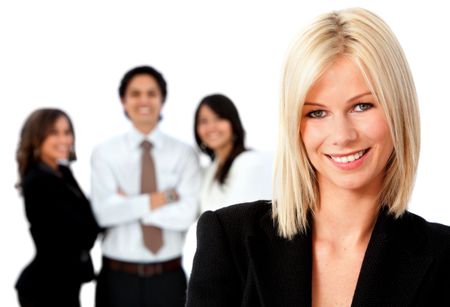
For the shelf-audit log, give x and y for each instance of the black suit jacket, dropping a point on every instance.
(241, 261)
(63, 229)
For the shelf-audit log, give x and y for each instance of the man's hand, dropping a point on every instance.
(121, 192)
(160, 199)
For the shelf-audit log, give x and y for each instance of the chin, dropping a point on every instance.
(62, 159)
(352, 186)
(352, 182)
(213, 146)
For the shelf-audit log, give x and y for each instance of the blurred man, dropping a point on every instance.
(144, 192)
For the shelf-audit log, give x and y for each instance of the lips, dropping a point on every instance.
(348, 158)
(144, 110)
(62, 148)
(213, 136)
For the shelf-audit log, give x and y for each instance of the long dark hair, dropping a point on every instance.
(225, 109)
(35, 130)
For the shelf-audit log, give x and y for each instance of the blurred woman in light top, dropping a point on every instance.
(236, 174)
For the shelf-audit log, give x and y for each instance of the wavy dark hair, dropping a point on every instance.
(35, 130)
(225, 109)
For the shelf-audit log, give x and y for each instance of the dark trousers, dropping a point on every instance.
(50, 299)
(119, 289)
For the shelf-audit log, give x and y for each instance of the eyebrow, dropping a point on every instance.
(308, 103)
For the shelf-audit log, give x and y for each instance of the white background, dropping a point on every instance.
(72, 56)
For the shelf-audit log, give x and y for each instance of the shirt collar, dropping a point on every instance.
(135, 137)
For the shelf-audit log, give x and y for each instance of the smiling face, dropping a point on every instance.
(344, 130)
(58, 143)
(215, 132)
(143, 102)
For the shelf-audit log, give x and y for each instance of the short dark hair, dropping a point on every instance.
(225, 109)
(35, 130)
(143, 70)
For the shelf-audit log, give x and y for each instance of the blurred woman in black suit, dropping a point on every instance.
(61, 222)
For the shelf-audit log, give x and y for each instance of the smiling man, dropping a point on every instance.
(144, 193)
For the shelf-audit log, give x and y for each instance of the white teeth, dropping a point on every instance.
(144, 110)
(349, 158)
(213, 135)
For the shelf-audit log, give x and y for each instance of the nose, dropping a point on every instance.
(343, 131)
(210, 126)
(144, 100)
(65, 139)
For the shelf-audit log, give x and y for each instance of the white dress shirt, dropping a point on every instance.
(116, 166)
(249, 179)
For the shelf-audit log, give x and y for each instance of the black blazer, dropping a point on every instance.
(241, 261)
(63, 229)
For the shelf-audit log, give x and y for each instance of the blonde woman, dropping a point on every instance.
(337, 232)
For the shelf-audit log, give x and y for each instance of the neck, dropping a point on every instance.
(144, 128)
(345, 216)
(222, 153)
(53, 164)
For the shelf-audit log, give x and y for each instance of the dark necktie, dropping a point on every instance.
(152, 235)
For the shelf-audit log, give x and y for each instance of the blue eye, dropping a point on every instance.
(316, 114)
(362, 106)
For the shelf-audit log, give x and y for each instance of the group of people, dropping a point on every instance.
(147, 191)
(335, 233)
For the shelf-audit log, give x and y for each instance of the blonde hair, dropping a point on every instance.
(364, 38)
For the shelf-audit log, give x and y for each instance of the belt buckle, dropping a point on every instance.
(145, 270)
(141, 270)
(158, 269)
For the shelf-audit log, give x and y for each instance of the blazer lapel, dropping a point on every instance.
(281, 268)
(394, 264)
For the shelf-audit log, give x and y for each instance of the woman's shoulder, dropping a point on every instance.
(253, 162)
(249, 210)
(252, 157)
(39, 173)
(41, 178)
(430, 227)
(437, 235)
(239, 218)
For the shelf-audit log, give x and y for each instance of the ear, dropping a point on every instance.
(122, 100)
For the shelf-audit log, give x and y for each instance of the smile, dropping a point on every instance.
(144, 110)
(349, 157)
(62, 148)
(213, 135)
